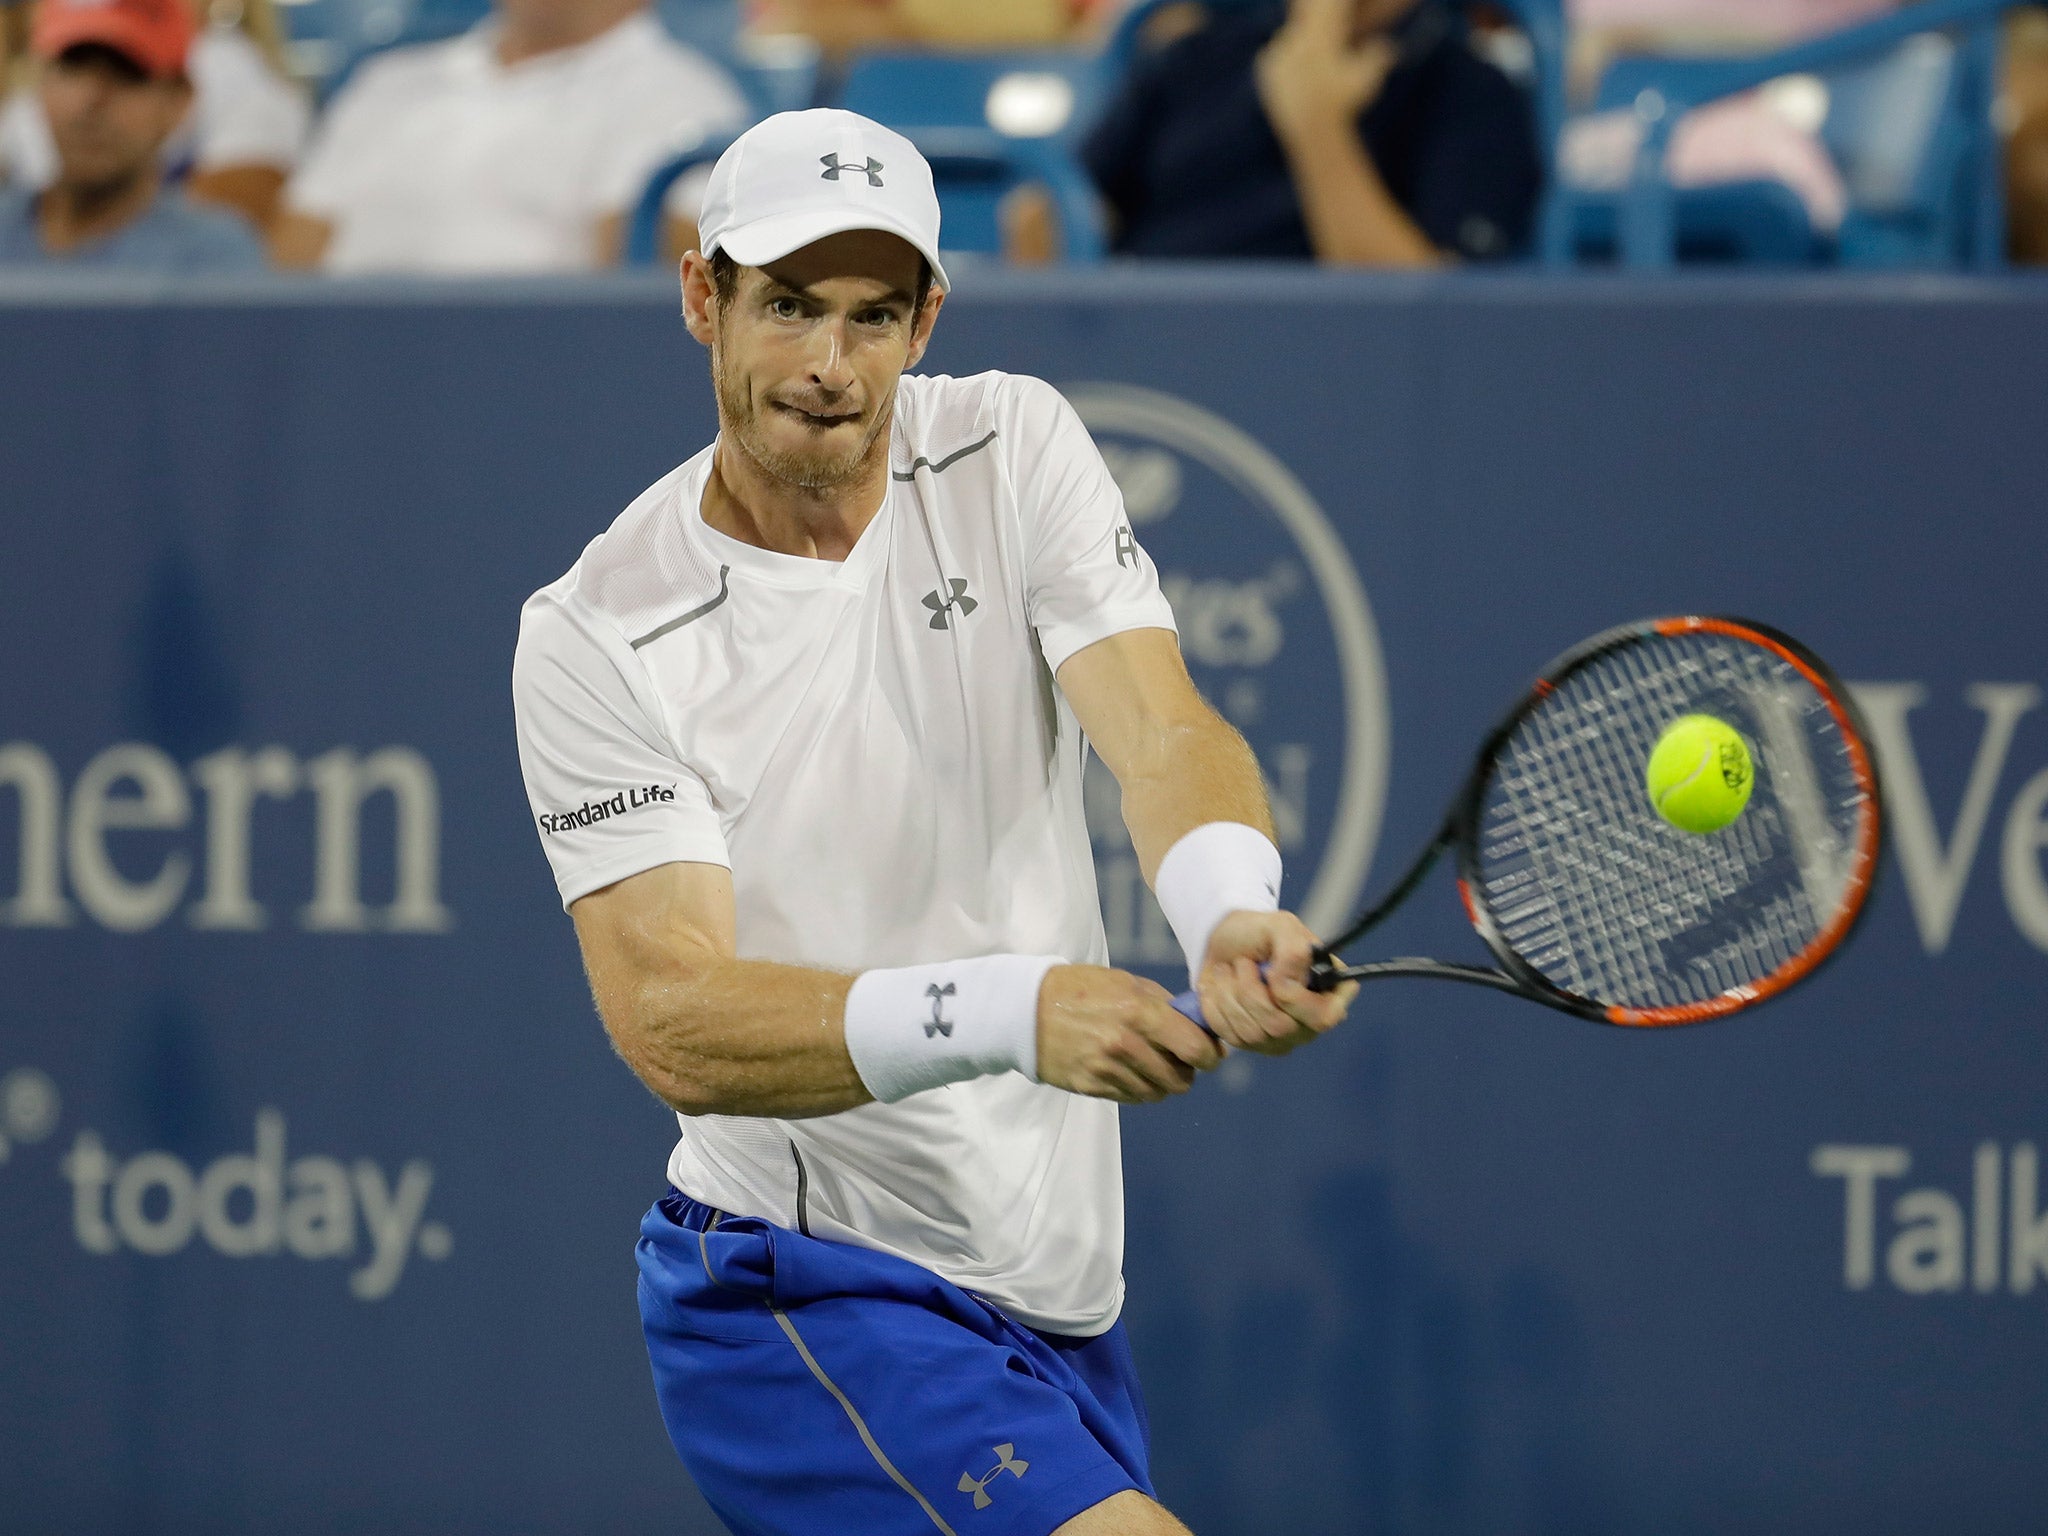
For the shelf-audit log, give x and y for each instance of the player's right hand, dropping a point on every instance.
(1112, 1035)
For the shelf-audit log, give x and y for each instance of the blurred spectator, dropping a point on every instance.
(841, 27)
(519, 147)
(2024, 109)
(1768, 135)
(114, 88)
(1360, 132)
(1772, 134)
(246, 129)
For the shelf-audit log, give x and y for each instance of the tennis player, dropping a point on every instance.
(803, 732)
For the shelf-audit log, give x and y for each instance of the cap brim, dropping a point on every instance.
(772, 238)
(142, 45)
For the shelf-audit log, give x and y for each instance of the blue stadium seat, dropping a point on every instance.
(1908, 123)
(989, 122)
(643, 229)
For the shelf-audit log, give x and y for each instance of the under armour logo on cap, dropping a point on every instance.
(870, 168)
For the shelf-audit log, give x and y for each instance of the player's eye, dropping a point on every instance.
(784, 308)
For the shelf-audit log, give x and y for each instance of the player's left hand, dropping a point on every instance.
(1273, 1012)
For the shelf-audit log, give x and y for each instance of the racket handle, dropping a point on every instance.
(1322, 977)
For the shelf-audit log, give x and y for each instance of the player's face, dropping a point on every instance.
(107, 117)
(806, 355)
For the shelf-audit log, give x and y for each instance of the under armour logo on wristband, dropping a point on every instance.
(939, 1025)
(871, 168)
(942, 607)
(978, 1486)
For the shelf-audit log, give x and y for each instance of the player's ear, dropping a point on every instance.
(700, 297)
(921, 331)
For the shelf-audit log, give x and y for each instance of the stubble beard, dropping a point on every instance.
(813, 472)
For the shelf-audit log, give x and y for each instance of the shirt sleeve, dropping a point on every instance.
(219, 242)
(609, 797)
(681, 100)
(346, 139)
(247, 114)
(1086, 578)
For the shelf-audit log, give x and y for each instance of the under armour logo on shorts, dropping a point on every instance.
(939, 1024)
(942, 607)
(978, 1486)
(870, 168)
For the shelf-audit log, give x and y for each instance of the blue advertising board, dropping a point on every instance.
(318, 1183)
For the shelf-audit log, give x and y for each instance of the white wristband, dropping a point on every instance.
(922, 1026)
(1219, 868)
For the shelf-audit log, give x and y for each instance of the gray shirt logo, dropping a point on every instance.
(942, 607)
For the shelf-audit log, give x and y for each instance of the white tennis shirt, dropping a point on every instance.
(877, 751)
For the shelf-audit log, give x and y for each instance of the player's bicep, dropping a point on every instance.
(1133, 696)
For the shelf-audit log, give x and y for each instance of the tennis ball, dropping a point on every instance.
(1700, 774)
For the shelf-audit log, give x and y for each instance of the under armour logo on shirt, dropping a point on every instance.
(870, 168)
(942, 607)
(1126, 546)
(978, 1486)
(939, 1025)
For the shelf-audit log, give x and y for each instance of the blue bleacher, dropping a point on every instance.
(989, 122)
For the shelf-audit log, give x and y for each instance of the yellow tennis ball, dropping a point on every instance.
(1700, 774)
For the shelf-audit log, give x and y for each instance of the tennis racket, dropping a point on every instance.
(1589, 901)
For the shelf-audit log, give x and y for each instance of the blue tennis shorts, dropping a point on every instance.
(818, 1389)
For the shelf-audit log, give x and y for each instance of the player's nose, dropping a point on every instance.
(830, 369)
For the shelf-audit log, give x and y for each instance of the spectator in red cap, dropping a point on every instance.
(114, 88)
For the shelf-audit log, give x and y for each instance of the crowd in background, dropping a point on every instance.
(172, 135)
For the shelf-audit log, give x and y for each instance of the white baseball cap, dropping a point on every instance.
(800, 176)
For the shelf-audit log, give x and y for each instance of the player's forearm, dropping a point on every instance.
(1191, 772)
(1352, 218)
(738, 1037)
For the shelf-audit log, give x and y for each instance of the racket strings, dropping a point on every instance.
(1650, 885)
(1589, 886)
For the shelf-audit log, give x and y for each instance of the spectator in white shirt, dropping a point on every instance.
(518, 147)
(246, 130)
